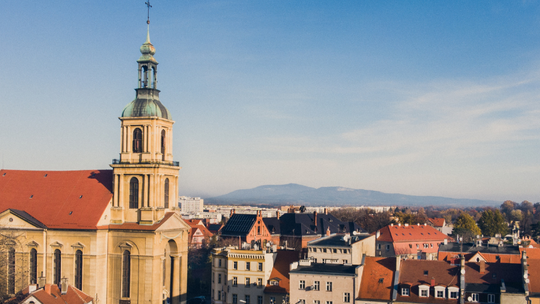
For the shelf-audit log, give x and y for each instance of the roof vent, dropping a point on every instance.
(381, 280)
(71, 212)
(4, 174)
(45, 175)
(31, 196)
(80, 196)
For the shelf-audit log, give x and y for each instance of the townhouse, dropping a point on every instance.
(341, 248)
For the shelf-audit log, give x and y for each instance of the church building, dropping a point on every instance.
(116, 235)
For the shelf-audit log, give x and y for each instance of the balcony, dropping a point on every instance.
(168, 163)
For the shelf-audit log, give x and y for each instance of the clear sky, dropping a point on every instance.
(415, 97)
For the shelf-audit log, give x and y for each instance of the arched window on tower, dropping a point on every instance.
(78, 269)
(11, 271)
(166, 191)
(57, 266)
(137, 140)
(126, 273)
(163, 144)
(33, 266)
(134, 193)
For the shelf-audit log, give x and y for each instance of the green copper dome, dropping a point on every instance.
(145, 107)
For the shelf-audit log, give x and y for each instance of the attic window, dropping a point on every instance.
(93, 174)
(80, 196)
(31, 196)
(3, 174)
(422, 233)
(45, 175)
(71, 212)
(426, 272)
(381, 280)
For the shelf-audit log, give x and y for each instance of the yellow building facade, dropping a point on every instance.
(115, 234)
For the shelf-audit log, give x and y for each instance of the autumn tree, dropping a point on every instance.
(492, 222)
(13, 265)
(466, 227)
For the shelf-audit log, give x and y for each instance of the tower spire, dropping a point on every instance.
(148, 14)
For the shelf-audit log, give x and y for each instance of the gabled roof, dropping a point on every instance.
(50, 294)
(490, 281)
(280, 271)
(27, 218)
(273, 225)
(414, 273)
(410, 233)
(58, 199)
(437, 221)
(239, 225)
(377, 280)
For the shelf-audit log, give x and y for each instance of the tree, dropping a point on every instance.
(466, 227)
(492, 222)
(507, 207)
(13, 265)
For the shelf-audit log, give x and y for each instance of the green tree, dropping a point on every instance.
(492, 222)
(466, 227)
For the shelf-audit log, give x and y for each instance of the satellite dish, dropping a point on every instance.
(462, 271)
(469, 299)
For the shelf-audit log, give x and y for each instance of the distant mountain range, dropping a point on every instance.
(294, 194)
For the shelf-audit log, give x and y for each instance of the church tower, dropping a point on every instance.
(145, 176)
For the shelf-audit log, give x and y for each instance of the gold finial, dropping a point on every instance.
(148, 15)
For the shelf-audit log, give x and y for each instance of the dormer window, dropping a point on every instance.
(423, 291)
(405, 291)
(440, 291)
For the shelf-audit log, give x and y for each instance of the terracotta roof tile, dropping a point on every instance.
(437, 221)
(281, 271)
(376, 269)
(410, 233)
(58, 199)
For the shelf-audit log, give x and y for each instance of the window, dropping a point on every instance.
(424, 291)
(11, 271)
(248, 282)
(134, 193)
(33, 266)
(234, 281)
(335, 250)
(126, 274)
(57, 266)
(346, 297)
(248, 266)
(234, 298)
(440, 294)
(328, 286)
(345, 261)
(219, 262)
(426, 245)
(247, 299)
(259, 282)
(324, 250)
(387, 247)
(328, 302)
(378, 246)
(316, 285)
(258, 230)
(235, 265)
(302, 284)
(259, 300)
(454, 294)
(417, 246)
(316, 302)
(272, 300)
(474, 297)
(219, 278)
(137, 140)
(166, 194)
(405, 291)
(78, 269)
(301, 301)
(163, 144)
(491, 298)
(260, 267)
(219, 294)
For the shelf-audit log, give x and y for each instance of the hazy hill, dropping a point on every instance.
(294, 194)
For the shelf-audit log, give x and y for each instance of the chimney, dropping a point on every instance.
(325, 210)
(328, 231)
(378, 234)
(41, 280)
(32, 288)
(64, 285)
(482, 266)
(432, 282)
(446, 241)
(277, 214)
(315, 218)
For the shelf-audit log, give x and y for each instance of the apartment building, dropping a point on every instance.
(240, 276)
(341, 248)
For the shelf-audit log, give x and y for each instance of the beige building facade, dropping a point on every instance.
(341, 248)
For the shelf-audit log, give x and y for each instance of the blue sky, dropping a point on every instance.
(415, 97)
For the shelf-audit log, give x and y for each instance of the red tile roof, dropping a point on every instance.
(50, 294)
(437, 221)
(58, 199)
(375, 269)
(534, 284)
(410, 233)
(450, 256)
(281, 271)
(510, 273)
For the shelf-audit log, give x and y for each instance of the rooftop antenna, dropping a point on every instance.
(148, 14)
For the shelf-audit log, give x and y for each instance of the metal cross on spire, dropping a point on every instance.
(148, 16)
